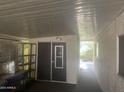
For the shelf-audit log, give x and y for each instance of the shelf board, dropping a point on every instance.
(27, 55)
(24, 64)
(33, 62)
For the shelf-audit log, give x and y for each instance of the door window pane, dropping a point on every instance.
(26, 67)
(20, 60)
(26, 59)
(20, 68)
(27, 49)
(33, 49)
(59, 62)
(58, 56)
(33, 74)
(32, 66)
(27, 53)
(32, 58)
(19, 49)
(59, 51)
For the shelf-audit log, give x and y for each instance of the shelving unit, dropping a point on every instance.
(27, 58)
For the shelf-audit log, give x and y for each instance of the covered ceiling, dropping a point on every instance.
(40, 18)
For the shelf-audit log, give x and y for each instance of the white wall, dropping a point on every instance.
(72, 46)
(107, 62)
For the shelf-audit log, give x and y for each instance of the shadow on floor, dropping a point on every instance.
(87, 82)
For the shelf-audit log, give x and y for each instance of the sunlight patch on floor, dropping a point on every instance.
(86, 65)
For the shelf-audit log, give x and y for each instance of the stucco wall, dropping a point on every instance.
(107, 61)
(72, 46)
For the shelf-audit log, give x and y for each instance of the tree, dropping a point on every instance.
(87, 54)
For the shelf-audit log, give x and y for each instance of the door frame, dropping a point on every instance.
(51, 43)
(51, 61)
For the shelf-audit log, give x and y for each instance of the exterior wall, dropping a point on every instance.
(107, 61)
(72, 46)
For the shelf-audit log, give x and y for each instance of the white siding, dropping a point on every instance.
(107, 63)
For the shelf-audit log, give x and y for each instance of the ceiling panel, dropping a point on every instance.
(40, 18)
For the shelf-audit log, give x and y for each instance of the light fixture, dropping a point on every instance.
(59, 38)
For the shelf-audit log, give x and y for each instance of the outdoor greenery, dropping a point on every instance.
(86, 52)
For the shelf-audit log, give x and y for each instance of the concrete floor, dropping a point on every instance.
(87, 82)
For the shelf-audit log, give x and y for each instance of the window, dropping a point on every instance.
(27, 58)
(59, 57)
